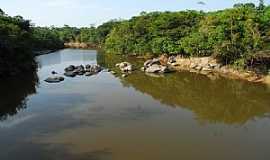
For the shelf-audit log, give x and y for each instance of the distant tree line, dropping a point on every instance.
(232, 35)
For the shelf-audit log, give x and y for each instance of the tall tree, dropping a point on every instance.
(261, 5)
(1, 12)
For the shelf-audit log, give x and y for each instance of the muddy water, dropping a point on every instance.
(141, 117)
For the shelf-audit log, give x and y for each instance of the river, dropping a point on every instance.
(140, 117)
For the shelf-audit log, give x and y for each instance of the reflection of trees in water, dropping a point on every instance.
(218, 101)
(67, 55)
(14, 92)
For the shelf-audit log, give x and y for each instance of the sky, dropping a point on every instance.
(83, 13)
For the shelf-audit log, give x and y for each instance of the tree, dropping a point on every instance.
(261, 5)
(2, 12)
(15, 46)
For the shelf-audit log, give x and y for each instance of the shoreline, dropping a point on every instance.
(209, 66)
(43, 52)
(79, 45)
(201, 65)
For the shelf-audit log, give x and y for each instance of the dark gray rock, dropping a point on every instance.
(56, 79)
(89, 74)
(53, 72)
(88, 66)
(70, 68)
(70, 74)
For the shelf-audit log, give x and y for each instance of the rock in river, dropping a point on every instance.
(70, 68)
(89, 74)
(53, 72)
(70, 74)
(153, 68)
(125, 66)
(55, 79)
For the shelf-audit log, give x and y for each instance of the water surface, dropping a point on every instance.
(141, 117)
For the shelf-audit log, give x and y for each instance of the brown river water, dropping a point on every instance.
(142, 117)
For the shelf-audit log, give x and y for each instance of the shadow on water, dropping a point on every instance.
(212, 101)
(14, 93)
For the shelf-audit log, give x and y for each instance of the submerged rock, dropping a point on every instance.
(53, 72)
(89, 74)
(70, 74)
(112, 72)
(154, 75)
(56, 79)
(124, 75)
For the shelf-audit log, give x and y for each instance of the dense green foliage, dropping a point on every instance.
(15, 45)
(46, 38)
(96, 35)
(155, 32)
(233, 35)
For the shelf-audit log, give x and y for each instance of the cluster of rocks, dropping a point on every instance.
(210, 67)
(156, 65)
(203, 65)
(125, 67)
(80, 45)
(88, 70)
(73, 71)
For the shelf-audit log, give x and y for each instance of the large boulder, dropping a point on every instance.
(157, 65)
(166, 69)
(91, 70)
(151, 62)
(95, 69)
(125, 66)
(158, 69)
(56, 79)
(88, 66)
(155, 68)
(79, 70)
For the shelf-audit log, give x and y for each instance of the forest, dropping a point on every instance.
(236, 36)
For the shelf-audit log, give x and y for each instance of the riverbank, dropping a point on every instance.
(212, 68)
(80, 45)
(42, 52)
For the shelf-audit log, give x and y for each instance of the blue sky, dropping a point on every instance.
(86, 12)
